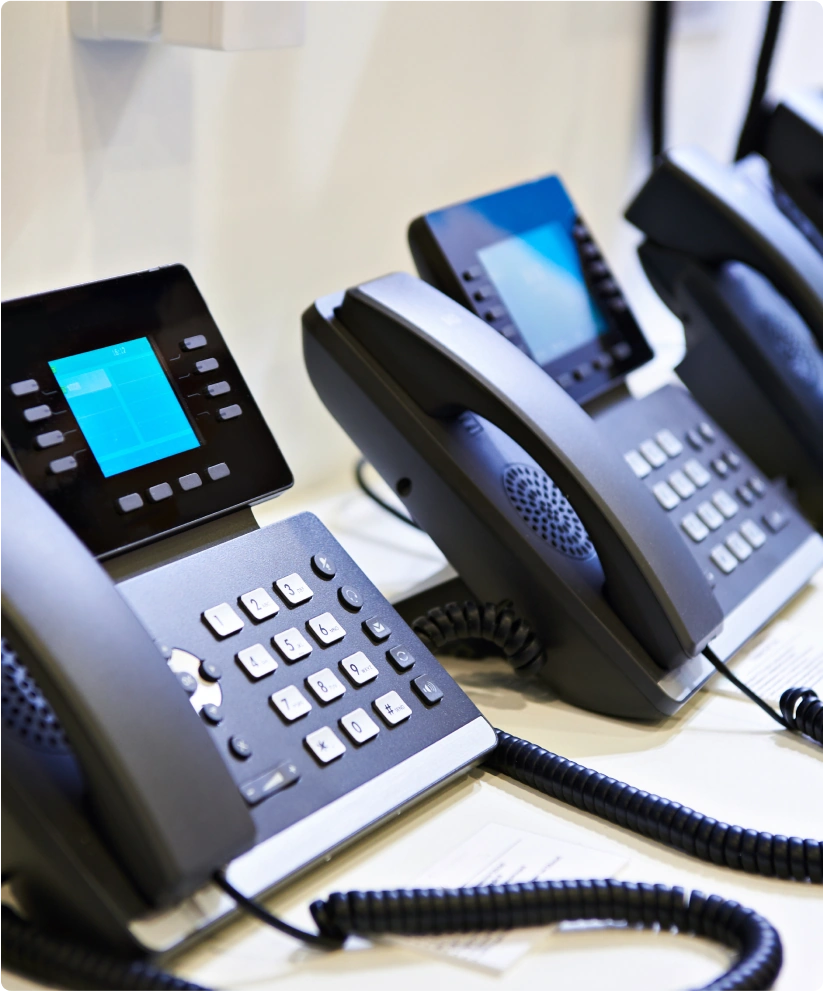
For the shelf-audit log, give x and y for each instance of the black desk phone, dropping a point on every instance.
(236, 696)
(733, 255)
(633, 535)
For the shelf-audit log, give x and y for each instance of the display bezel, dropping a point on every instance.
(165, 306)
(446, 243)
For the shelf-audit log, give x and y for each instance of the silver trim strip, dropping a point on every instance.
(768, 598)
(282, 856)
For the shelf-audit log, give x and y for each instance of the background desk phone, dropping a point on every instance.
(240, 696)
(632, 534)
(737, 253)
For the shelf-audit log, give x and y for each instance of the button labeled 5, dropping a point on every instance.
(292, 644)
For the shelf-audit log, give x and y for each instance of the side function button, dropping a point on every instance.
(758, 486)
(60, 465)
(210, 671)
(128, 503)
(326, 629)
(427, 690)
(745, 494)
(638, 464)
(160, 491)
(392, 709)
(720, 467)
(401, 658)
(270, 783)
(25, 387)
(50, 439)
(257, 661)
(193, 343)
(670, 444)
(666, 495)
(323, 566)
(694, 527)
(472, 273)
(653, 453)
(293, 589)
(752, 532)
(216, 472)
(706, 431)
(325, 685)
(259, 604)
(359, 726)
(775, 520)
(188, 682)
(697, 473)
(724, 559)
(223, 620)
(350, 598)
(240, 747)
(325, 745)
(291, 703)
(218, 389)
(622, 351)
(212, 713)
(229, 412)
(206, 365)
(292, 644)
(732, 460)
(358, 668)
(190, 481)
(694, 439)
(34, 414)
(376, 629)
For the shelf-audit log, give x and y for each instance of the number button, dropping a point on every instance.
(223, 620)
(359, 726)
(392, 708)
(293, 589)
(257, 660)
(325, 745)
(292, 644)
(326, 628)
(291, 703)
(326, 685)
(358, 668)
(259, 604)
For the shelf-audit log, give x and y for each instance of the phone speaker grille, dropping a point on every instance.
(25, 709)
(546, 510)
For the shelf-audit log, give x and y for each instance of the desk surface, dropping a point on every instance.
(720, 755)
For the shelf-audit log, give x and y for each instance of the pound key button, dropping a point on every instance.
(277, 779)
(427, 690)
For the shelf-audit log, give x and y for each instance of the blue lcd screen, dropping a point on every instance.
(539, 278)
(124, 405)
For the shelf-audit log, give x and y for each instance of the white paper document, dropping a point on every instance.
(502, 855)
(783, 656)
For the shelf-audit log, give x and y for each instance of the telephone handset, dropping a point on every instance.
(748, 286)
(449, 362)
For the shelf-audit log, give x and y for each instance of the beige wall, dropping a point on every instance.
(279, 176)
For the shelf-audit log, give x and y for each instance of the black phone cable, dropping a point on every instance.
(360, 477)
(755, 115)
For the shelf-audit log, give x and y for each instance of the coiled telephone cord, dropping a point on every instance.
(436, 911)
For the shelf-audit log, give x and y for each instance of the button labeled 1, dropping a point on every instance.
(326, 628)
(359, 726)
(293, 589)
(223, 619)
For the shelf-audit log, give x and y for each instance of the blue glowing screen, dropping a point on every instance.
(540, 280)
(124, 405)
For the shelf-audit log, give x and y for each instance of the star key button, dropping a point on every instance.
(376, 629)
(325, 744)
